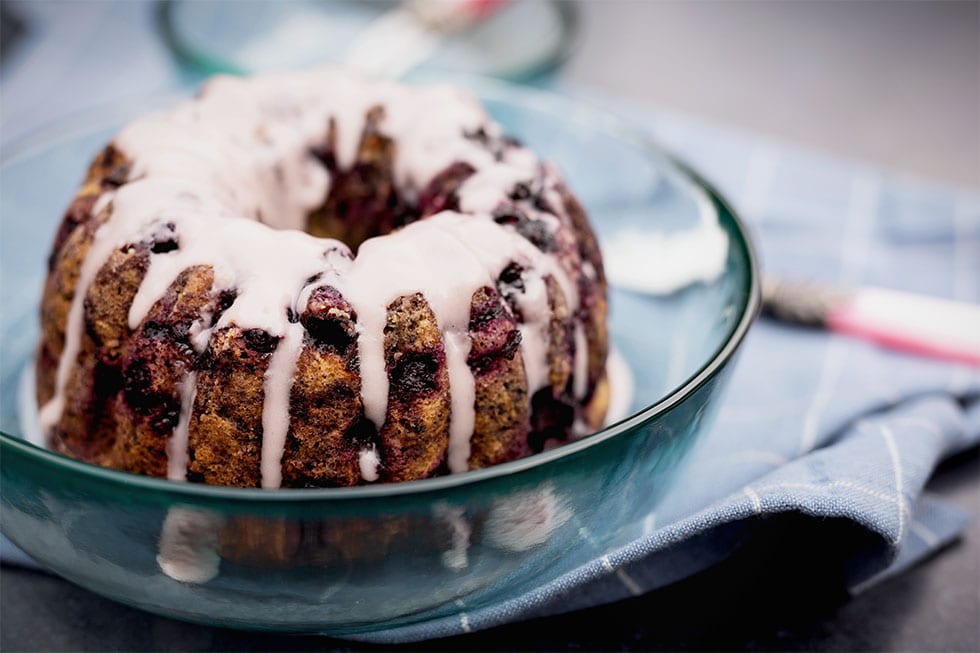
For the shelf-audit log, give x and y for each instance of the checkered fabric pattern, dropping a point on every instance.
(814, 423)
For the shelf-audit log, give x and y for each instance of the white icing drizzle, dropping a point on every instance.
(177, 444)
(450, 256)
(231, 177)
(481, 192)
(103, 201)
(275, 404)
(580, 363)
(463, 396)
(533, 304)
(200, 331)
(368, 462)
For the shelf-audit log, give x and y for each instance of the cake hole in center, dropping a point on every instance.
(364, 201)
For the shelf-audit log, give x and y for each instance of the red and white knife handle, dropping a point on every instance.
(914, 323)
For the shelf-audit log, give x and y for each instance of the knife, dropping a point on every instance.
(904, 321)
(406, 36)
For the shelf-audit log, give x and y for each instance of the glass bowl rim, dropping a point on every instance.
(210, 63)
(600, 120)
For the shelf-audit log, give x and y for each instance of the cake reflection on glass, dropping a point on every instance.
(314, 280)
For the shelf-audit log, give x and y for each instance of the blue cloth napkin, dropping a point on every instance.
(813, 423)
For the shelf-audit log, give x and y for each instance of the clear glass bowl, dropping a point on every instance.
(520, 41)
(345, 561)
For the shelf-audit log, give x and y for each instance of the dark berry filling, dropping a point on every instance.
(107, 380)
(164, 239)
(171, 334)
(414, 374)
(116, 177)
(484, 314)
(478, 135)
(536, 231)
(161, 409)
(331, 332)
(521, 191)
(493, 336)
(325, 155)
(442, 192)
(488, 361)
(164, 246)
(225, 299)
(512, 276)
(510, 284)
(362, 432)
(325, 298)
(79, 212)
(329, 319)
(509, 214)
(259, 341)
(551, 418)
(541, 204)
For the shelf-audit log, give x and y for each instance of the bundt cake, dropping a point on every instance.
(311, 280)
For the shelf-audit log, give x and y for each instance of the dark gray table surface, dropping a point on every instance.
(760, 599)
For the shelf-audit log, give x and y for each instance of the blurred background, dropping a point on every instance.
(892, 83)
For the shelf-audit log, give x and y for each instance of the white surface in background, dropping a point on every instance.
(662, 262)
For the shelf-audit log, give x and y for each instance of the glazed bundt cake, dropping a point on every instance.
(317, 280)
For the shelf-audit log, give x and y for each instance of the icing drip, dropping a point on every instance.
(275, 404)
(471, 255)
(481, 192)
(234, 168)
(177, 444)
(463, 395)
(580, 382)
(533, 305)
(368, 462)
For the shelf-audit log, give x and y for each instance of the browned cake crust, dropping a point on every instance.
(415, 435)
(364, 202)
(594, 308)
(327, 431)
(122, 399)
(156, 364)
(502, 418)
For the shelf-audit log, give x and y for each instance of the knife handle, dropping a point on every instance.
(915, 323)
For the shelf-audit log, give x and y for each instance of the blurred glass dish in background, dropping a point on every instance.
(353, 560)
(517, 40)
